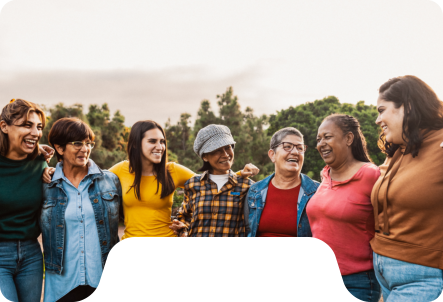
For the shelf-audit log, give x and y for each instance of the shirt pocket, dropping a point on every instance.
(111, 201)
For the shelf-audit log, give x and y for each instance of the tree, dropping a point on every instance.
(308, 117)
(247, 130)
(111, 136)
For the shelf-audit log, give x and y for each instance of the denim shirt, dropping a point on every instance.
(104, 193)
(256, 200)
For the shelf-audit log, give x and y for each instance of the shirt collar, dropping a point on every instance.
(58, 174)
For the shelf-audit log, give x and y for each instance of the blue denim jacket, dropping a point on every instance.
(105, 193)
(256, 199)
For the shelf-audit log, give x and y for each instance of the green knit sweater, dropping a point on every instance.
(20, 197)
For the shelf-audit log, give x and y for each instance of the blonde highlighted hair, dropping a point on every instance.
(11, 113)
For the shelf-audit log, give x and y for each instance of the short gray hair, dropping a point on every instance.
(282, 133)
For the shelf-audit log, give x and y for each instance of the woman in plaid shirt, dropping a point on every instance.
(213, 203)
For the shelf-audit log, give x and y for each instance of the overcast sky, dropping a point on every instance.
(157, 59)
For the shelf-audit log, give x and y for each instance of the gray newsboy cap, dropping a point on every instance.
(211, 138)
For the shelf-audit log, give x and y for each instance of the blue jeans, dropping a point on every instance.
(363, 286)
(21, 270)
(403, 281)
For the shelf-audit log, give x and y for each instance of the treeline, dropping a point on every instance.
(111, 135)
(252, 133)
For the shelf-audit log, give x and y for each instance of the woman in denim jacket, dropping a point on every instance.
(79, 217)
(273, 203)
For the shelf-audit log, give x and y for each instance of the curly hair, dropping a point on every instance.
(423, 112)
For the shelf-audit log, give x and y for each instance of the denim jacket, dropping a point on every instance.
(105, 193)
(256, 199)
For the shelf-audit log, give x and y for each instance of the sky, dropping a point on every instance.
(158, 59)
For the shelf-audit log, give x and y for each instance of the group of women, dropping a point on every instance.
(383, 223)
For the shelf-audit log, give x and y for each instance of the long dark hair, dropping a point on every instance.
(422, 111)
(135, 160)
(348, 123)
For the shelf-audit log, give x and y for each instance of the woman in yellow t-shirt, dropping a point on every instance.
(148, 182)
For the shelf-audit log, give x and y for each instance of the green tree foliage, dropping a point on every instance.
(111, 135)
(308, 117)
(248, 131)
(252, 133)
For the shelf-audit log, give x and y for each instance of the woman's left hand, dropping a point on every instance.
(47, 174)
(46, 151)
(249, 170)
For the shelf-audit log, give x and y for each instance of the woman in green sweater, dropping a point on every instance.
(21, 169)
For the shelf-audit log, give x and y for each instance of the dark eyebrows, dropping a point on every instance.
(156, 139)
(31, 123)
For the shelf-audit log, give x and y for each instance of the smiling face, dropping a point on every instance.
(153, 146)
(73, 156)
(221, 160)
(288, 162)
(23, 138)
(333, 144)
(390, 119)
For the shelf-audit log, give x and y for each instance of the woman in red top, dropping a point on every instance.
(341, 213)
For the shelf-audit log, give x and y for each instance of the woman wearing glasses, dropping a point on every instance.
(79, 217)
(340, 213)
(275, 206)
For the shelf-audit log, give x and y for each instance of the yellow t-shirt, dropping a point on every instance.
(150, 216)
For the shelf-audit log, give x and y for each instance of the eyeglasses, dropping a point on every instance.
(79, 145)
(288, 147)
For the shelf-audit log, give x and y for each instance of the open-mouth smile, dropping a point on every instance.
(30, 143)
(325, 153)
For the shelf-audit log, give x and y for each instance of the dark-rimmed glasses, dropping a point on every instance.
(288, 147)
(79, 145)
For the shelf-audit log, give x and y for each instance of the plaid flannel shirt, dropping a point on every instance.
(208, 212)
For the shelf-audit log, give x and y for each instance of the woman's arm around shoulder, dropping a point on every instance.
(180, 174)
(117, 168)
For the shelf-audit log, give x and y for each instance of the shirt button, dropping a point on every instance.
(78, 194)
(82, 252)
(95, 200)
(79, 207)
(104, 242)
(81, 237)
(81, 221)
(101, 222)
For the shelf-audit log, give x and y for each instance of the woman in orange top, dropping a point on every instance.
(407, 198)
(148, 182)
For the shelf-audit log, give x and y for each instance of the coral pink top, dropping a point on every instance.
(341, 214)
